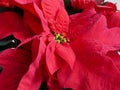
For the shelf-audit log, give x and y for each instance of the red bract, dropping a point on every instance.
(15, 63)
(107, 8)
(113, 20)
(76, 51)
(97, 59)
(56, 16)
(111, 13)
(35, 74)
(78, 23)
(12, 23)
(48, 54)
(96, 48)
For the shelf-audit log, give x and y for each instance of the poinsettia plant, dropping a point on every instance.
(59, 45)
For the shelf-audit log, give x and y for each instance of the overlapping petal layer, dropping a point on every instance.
(12, 24)
(94, 66)
(15, 63)
(89, 61)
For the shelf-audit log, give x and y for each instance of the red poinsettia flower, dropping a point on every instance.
(48, 43)
(96, 68)
(58, 23)
(48, 55)
(86, 46)
(48, 52)
(97, 54)
(97, 63)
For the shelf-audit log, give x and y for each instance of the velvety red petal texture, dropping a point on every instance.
(34, 76)
(66, 53)
(114, 20)
(110, 11)
(12, 24)
(56, 16)
(15, 63)
(78, 25)
(33, 17)
(89, 60)
(91, 50)
(52, 60)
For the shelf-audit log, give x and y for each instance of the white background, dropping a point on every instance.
(115, 1)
